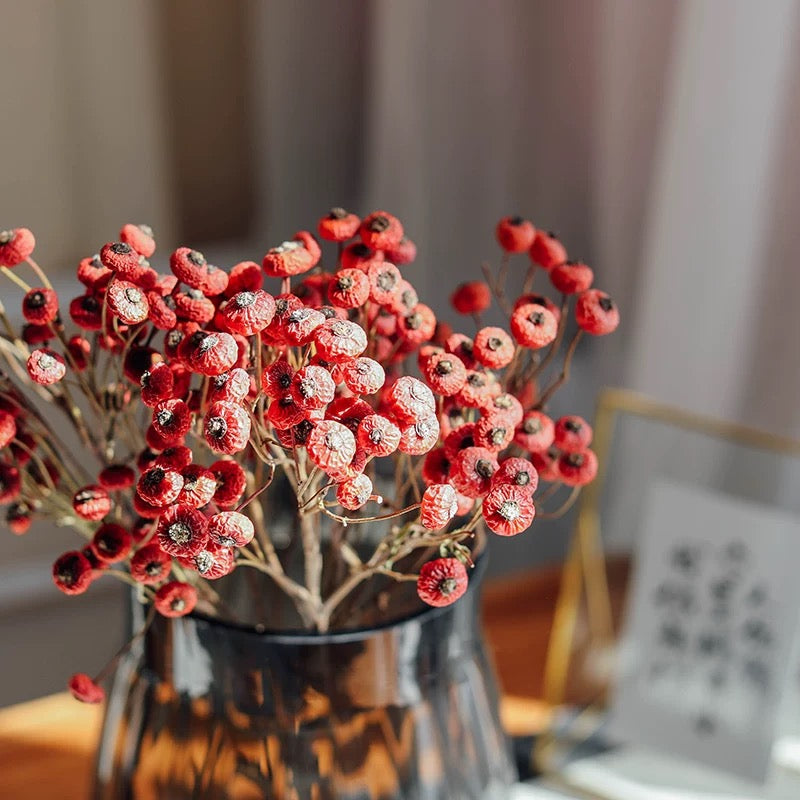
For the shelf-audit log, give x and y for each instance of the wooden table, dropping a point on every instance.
(47, 745)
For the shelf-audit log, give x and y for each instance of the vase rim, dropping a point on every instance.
(301, 636)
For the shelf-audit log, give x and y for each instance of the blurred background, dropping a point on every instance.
(658, 138)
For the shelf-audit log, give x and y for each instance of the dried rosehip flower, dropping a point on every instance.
(284, 413)
(193, 306)
(547, 251)
(508, 510)
(36, 334)
(493, 433)
(171, 420)
(233, 386)
(539, 300)
(515, 234)
(10, 482)
(15, 246)
(140, 238)
(504, 406)
(459, 438)
(377, 435)
(404, 299)
(577, 469)
(418, 325)
(384, 281)
(436, 467)
(157, 384)
(199, 485)
(533, 326)
(116, 477)
(72, 572)
(176, 599)
(277, 378)
(439, 506)
(410, 399)
(118, 256)
(189, 266)
(536, 432)
(213, 562)
(442, 581)
(572, 434)
(419, 437)
(159, 486)
(462, 346)
(446, 373)
(249, 312)
(83, 688)
(182, 531)
(93, 274)
(245, 276)
(230, 529)
(381, 230)
(40, 306)
(571, 277)
(354, 492)
(339, 340)
(91, 502)
(127, 302)
(162, 311)
(349, 288)
(231, 483)
(288, 259)
(493, 348)
(472, 470)
(312, 387)
(546, 464)
(174, 458)
(46, 367)
(79, 349)
(338, 226)
(299, 327)
(596, 313)
(86, 312)
(8, 428)
(472, 297)
(476, 390)
(226, 427)
(363, 375)
(517, 472)
(210, 353)
(111, 543)
(404, 252)
(331, 446)
(150, 564)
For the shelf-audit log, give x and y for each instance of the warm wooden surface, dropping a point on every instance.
(47, 745)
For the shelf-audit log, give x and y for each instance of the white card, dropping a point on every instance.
(710, 626)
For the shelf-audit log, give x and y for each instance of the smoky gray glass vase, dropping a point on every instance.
(408, 711)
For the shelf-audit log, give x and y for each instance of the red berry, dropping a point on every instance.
(111, 543)
(536, 432)
(514, 234)
(577, 469)
(231, 483)
(384, 281)
(312, 387)
(127, 302)
(284, 413)
(193, 306)
(233, 386)
(93, 274)
(91, 502)
(539, 300)
(476, 390)
(199, 485)
(442, 581)
(349, 288)
(277, 378)
(380, 230)
(439, 506)
(150, 564)
(172, 420)
(176, 458)
(288, 259)
(79, 349)
(46, 367)
(472, 297)
(230, 529)
(377, 435)
(493, 433)
(40, 306)
(140, 238)
(572, 434)
(116, 477)
(339, 340)
(213, 562)
(8, 428)
(176, 599)
(533, 326)
(419, 437)
(159, 486)
(300, 326)
(189, 266)
(10, 482)
(596, 313)
(493, 348)
(15, 246)
(472, 471)
(210, 353)
(410, 399)
(404, 252)
(354, 492)
(508, 510)
(462, 346)
(363, 375)
(503, 406)
(517, 472)
(226, 427)
(331, 446)
(72, 572)
(83, 688)
(547, 251)
(249, 312)
(338, 225)
(546, 464)
(157, 384)
(571, 277)
(245, 276)
(182, 531)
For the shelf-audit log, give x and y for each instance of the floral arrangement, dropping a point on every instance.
(191, 390)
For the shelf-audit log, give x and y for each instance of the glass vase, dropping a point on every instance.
(408, 711)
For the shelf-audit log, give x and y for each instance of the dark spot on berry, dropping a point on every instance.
(120, 248)
(484, 468)
(344, 283)
(444, 367)
(197, 258)
(362, 251)
(494, 343)
(537, 318)
(515, 220)
(337, 213)
(522, 478)
(573, 426)
(35, 300)
(216, 427)
(606, 303)
(153, 477)
(414, 321)
(575, 460)
(447, 586)
(379, 224)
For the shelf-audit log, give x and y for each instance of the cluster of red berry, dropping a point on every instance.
(311, 380)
